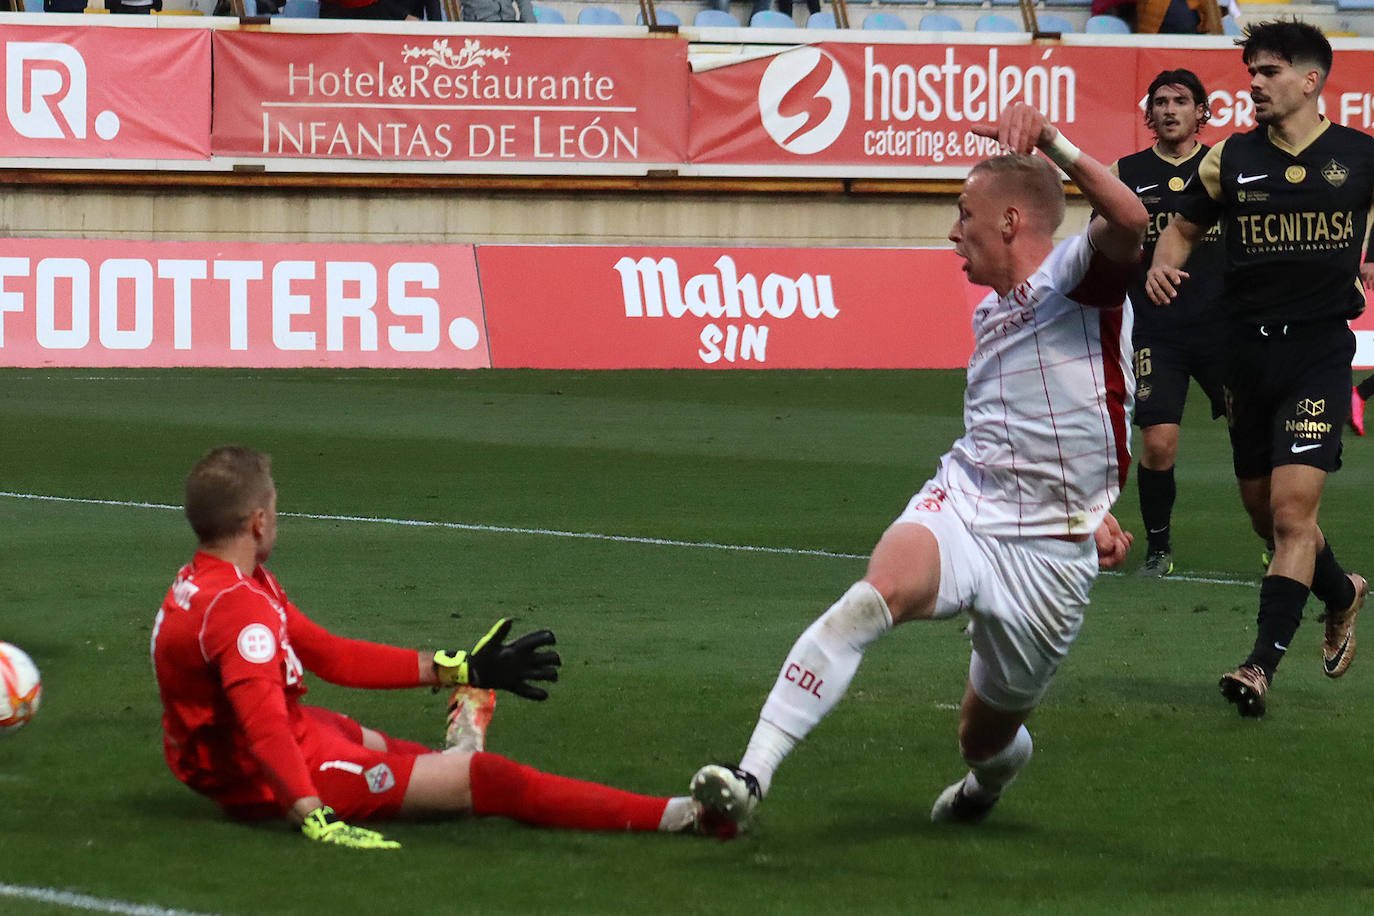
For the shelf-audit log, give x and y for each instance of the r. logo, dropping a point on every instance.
(45, 92)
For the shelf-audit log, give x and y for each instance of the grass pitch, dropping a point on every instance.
(1147, 793)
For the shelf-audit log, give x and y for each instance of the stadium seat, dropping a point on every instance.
(992, 22)
(821, 21)
(939, 22)
(1106, 25)
(598, 15)
(665, 17)
(1054, 24)
(771, 19)
(707, 18)
(547, 15)
(888, 21)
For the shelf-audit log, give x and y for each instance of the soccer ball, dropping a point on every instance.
(21, 687)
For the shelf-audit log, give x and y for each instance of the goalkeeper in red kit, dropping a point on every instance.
(230, 652)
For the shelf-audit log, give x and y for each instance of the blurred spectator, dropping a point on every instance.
(497, 11)
(1174, 17)
(129, 6)
(264, 8)
(1177, 17)
(1170, 17)
(1121, 9)
(379, 9)
(783, 6)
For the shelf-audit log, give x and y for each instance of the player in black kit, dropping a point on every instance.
(1293, 196)
(1185, 339)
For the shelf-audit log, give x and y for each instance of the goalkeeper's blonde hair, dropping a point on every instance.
(225, 488)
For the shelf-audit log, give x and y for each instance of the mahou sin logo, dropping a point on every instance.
(45, 93)
(655, 288)
(804, 100)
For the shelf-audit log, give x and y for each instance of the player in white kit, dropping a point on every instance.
(1013, 526)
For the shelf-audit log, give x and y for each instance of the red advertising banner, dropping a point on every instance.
(81, 92)
(163, 304)
(490, 98)
(751, 308)
(1346, 98)
(896, 104)
(910, 105)
(130, 303)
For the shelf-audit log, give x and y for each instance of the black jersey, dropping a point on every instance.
(1162, 184)
(1293, 220)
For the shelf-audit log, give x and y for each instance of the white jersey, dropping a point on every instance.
(1047, 407)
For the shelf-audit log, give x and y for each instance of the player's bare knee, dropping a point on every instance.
(905, 571)
(1296, 527)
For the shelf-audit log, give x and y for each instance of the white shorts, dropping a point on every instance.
(1026, 596)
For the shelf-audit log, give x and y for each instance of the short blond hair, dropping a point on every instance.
(225, 488)
(1032, 179)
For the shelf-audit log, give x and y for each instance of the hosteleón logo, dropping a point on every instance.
(45, 92)
(804, 100)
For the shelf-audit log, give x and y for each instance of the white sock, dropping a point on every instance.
(679, 814)
(987, 778)
(767, 748)
(815, 676)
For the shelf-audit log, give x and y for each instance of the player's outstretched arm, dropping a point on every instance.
(1121, 220)
(498, 665)
(1166, 273)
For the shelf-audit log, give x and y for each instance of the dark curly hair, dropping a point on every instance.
(1188, 80)
(1291, 39)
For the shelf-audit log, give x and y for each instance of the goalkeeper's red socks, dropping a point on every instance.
(503, 787)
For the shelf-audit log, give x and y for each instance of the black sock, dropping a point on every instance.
(1366, 388)
(1280, 612)
(1157, 492)
(1330, 584)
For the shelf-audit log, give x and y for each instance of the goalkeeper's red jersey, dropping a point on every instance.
(229, 651)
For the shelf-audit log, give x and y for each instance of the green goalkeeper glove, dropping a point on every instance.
(323, 826)
(492, 664)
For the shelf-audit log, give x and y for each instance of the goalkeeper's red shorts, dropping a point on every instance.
(356, 781)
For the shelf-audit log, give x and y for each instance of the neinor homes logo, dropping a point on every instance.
(45, 92)
(804, 100)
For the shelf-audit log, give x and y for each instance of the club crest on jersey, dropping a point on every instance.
(1177, 184)
(257, 644)
(379, 778)
(1311, 408)
(1143, 391)
(932, 500)
(1335, 173)
(1295, 174)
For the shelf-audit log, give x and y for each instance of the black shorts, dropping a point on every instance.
(1163, 368)
(1288, 395)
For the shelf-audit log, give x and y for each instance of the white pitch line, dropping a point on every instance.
(89, 904)
(545, 532)
(463, 526)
